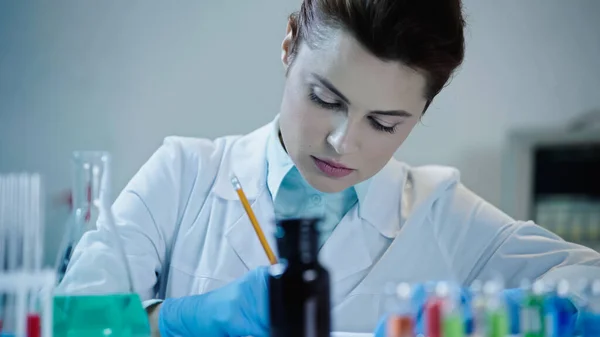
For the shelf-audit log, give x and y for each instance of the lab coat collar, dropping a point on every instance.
(380, 198)
(245, 160)
(396, 192)
(413, 190)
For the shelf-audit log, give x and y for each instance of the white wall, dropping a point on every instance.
(121, 75)
(531, 63)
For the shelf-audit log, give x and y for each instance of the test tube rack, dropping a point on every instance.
(22, 286)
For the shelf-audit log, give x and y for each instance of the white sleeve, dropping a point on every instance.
(482, 243)
(527, 251)
(146, 215)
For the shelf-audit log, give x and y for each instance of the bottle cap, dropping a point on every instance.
(298, 239)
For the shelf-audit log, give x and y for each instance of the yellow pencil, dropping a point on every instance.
(261, 236)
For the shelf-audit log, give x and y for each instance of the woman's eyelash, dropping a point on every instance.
(380, 127)
(327, 105)
(339, 106)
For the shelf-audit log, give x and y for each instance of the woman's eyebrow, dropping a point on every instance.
(401, 113)
(331, 88)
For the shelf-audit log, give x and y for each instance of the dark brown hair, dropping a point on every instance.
(426, 35)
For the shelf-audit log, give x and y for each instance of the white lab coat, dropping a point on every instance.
(185, 231)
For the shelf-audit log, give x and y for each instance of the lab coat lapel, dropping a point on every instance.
(247, 160)
(346, 251)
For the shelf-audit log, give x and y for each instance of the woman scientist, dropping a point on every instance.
(359, 76)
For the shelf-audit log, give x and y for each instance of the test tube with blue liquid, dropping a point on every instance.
(558, 311)
(590, 315)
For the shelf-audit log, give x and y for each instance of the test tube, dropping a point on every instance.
(557, 313)
(477, 326)
(33, 222)
(23, 222)
(401, 323)
(452, 318)
(433, 315)
(496, 311)
(591, 310)
(532, 311)
(10, 201)
(3, 244)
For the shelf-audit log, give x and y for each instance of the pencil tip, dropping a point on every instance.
(235, 182)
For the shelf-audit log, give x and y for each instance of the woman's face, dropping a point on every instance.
(345, 112)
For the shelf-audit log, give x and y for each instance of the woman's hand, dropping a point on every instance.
(237, 309)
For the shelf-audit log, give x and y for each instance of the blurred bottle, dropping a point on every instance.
(93, 301)
(557, 309)
(401, 319)
(299, 291)
(478, 324)
(532, 311)
(434, 311)
(453, 321)
(497, 322)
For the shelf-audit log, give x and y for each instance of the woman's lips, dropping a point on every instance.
(331, 168)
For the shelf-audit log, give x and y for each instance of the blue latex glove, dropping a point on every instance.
(237, 309)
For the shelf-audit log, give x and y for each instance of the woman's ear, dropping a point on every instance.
(286, 46)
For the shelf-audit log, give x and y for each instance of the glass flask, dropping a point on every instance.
(94, 295)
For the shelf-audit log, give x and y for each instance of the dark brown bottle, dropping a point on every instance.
(299, 296)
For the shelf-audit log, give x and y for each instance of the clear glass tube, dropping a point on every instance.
(478, 305)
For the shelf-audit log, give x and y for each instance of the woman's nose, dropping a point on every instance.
(344, 137)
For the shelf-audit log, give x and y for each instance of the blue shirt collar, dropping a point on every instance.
(279, 164)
